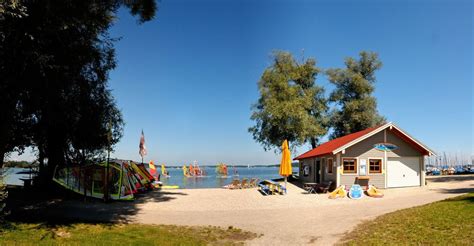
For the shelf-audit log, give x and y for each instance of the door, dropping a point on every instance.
(317, 171)
(403, 171)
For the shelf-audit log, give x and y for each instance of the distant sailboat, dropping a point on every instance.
(221, 170)
(236, 173)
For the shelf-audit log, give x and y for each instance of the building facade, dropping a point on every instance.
(384, 156)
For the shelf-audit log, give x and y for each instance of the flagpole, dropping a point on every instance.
(109, 140)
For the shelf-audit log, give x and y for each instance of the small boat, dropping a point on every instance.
(435, 171)
(164, 172)
(221, 170)
(170, 187)
(374, 192)
(236, 173)
(339, 192)
(356, 192)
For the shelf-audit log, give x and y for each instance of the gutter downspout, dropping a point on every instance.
(338, 169)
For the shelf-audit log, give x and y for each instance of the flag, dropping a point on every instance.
(142, 146)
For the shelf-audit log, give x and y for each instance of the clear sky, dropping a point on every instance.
(189, 77)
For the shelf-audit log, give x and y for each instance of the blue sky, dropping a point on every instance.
(189, 77)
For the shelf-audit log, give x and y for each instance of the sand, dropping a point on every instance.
(293, 219)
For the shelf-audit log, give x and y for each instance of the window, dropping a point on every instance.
(329, 166)
(375, 166)
(349, 165)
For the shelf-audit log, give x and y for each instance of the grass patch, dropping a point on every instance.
(447, 222)
(120, 234)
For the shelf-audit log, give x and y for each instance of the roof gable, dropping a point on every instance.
(330, 146)
(336, 145)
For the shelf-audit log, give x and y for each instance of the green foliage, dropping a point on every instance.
(357, 108)
(56, 58)
(20, 164)
(291, 106)
(121, 234)
(13, 8)
(448, 222)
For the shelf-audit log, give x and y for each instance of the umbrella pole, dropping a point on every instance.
(286, 188)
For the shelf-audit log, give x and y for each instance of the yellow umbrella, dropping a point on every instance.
(285, 164)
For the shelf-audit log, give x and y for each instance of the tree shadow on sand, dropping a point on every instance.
(72, 208)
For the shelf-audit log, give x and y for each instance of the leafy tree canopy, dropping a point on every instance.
(356, 107)
(56, 58)
(291, 106)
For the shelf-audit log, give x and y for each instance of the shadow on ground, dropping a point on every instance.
(447, 178)
(62, 208)
(457, 190)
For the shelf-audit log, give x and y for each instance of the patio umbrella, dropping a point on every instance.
(285, 164)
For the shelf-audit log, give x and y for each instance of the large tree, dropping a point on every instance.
(54, 69)
(291, 105)
(356, 106)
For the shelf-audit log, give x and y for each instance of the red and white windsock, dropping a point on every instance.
(142, 146)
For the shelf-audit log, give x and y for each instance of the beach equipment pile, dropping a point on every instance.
(355, 192)
(237, 184)
(125, 179)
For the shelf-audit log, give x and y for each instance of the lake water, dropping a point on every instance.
(12, 175)
(211, 180)
(176, 176)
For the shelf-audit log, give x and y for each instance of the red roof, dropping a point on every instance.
(329, 147)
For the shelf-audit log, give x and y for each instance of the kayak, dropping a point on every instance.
(170, 187)
(356, 192)
(339, 192)
(374, 192)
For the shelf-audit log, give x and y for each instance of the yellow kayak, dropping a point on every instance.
(339, 192)
(170, 187)
(374, 192)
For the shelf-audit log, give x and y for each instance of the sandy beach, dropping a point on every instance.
(294, 219)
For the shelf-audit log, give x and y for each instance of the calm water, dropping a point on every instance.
(210, 181)
(12, 176)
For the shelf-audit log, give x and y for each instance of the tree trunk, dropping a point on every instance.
(2, 157)
(313, 143)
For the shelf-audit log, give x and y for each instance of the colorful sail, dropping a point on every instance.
(185, 170)
(191, 170)
(163, 170)
(221, 170)
(125, 179)
(152, 168)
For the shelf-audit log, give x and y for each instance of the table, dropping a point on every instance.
(275, 187)
(310, 187)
